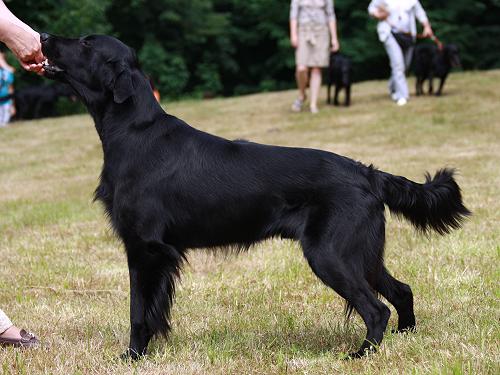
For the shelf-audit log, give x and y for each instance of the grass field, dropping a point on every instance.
(64, 275)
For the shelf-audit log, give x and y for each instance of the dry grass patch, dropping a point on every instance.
(64, 275)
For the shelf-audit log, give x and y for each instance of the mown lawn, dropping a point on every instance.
(63, 274)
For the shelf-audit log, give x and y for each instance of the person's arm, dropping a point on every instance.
(294, 14)
(332, 24)
(422, 18)
(21, 39)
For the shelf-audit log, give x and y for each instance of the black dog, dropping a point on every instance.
(339, 74)
(39, 101)
(431, 62)
(168, 187)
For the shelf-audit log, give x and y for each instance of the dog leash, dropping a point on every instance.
(434, 38)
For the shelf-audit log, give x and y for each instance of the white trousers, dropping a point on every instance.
(400, 62)
(5, 322)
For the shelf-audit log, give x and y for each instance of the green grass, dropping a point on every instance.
(64, 275)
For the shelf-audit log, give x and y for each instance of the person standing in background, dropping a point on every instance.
(313, 34)
(7, 109)
(397, 29)
(24, 42)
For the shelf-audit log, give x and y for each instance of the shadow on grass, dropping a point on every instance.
(225, 342)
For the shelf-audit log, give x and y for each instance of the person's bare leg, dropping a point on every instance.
(301, 75)
(315, 86)
(11, 333)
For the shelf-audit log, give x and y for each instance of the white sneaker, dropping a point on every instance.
(394, 97)
(401, 102)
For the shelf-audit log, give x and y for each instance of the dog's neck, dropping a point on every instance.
(113, 120)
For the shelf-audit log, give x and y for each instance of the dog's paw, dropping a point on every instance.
(131, 355)
(405, 330)
(360, 353)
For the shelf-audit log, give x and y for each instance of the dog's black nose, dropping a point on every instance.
(44, 37)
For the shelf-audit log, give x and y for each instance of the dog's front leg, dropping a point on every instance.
(153, 267)
(140, 334)
(336, 97)
(347, 95)
(441, 85)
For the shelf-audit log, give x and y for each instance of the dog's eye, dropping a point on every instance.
(85, 43)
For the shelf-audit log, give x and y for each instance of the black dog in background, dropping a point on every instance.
(168, 187)
(432, 62)
(35, 102)
(339, 74)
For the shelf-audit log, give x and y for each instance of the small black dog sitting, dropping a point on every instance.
(431, 61)
(339, 74)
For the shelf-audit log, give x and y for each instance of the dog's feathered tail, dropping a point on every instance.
(434, 205)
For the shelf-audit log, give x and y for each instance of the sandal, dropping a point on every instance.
(297, 105)
(27, 340)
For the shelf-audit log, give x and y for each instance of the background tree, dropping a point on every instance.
(230, 47)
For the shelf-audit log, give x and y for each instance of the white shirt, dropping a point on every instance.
(402, 15)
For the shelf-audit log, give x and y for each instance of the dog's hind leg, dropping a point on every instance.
(341, 266)
(418, 86)
(400, 296)
(153, 268)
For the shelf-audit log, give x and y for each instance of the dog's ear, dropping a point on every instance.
(122, 85)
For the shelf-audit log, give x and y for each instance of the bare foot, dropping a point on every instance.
(12, 333)
(18, 338)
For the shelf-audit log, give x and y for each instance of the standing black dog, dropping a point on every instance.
(339, 74)
(432, 62)
(168, 187)
(34, 102)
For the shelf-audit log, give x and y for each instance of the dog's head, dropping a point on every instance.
(452, 55)
(98, 67)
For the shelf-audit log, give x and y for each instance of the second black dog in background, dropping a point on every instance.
(35, 102)
(339, 74)
(432, 62)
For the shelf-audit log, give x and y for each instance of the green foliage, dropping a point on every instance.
(168, 72)
(227, 47)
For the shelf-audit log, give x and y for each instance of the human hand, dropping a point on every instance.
(294, 41)
(427, 32)
(381, 13)
(26, 46)
(335, 45)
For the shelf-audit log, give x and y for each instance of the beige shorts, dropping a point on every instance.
(314, 46)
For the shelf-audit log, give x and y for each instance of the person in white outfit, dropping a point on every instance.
(397, 29)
